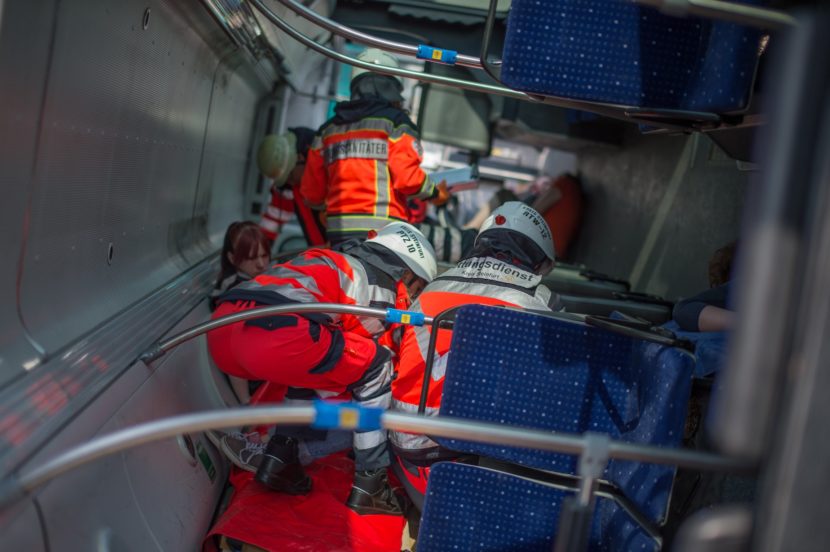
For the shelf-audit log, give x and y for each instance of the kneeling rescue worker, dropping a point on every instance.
(511, 253)
(333, 354)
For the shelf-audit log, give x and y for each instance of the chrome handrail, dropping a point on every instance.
(14, 488)
(735, 12)
(613, 111)
(364, 38)
(162, 347)
(382, 69)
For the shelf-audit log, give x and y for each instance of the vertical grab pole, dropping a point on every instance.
(577, 511)
(444, 319)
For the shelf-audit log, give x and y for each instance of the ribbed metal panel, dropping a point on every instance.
(127, 146)
(39, 405)
(25, 32)
(153, 497)
(124, 151)
(226, 150)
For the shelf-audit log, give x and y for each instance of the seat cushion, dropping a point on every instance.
(615, 51)
(474, 508)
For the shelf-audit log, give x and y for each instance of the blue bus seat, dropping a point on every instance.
(615, 51)
(519, 369)
(474, 508)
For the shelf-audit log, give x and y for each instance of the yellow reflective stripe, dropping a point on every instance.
(427, 188)
(388, 198)
(383, 192)
(357, 223)
(377, 191)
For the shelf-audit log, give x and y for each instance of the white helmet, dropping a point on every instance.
(410, 246)
(525, 220)
(277, 156)
(377, 57)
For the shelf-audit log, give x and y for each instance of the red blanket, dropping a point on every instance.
(318, 521)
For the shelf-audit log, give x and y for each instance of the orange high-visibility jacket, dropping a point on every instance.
(479, 280)
(363, 166)
(322, 276)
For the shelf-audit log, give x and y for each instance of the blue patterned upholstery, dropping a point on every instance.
(471, 508)
(618, 52)
(520, 369)
(710, 348)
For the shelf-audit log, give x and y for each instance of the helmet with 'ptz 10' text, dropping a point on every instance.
(376, 56)
(410, 246)
(517, 217)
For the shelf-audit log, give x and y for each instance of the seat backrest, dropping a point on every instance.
(474, 508)
(514, 368)
(618, 52)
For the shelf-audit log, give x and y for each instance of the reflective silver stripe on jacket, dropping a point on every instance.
(356, 148)
(356, 287)
(363, 293)
(382, 191)
(361, 223)
(410, 441)
(427, 188)
(488, 268)
(304, 294)
(538, 300)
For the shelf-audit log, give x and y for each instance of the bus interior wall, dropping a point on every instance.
(126, 150)
(657, 208)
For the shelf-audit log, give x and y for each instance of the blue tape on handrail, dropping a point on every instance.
(398, 316)
(343, 415)
(437, 54)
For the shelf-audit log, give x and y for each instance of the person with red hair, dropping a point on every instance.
(245, 255)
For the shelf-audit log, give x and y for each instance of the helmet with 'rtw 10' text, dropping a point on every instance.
(517, 217)
(410, 246)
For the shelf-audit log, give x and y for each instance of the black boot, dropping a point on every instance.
(281, 470)
(371, 494)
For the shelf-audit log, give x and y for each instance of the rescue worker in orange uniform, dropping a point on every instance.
(512, 252)
(333, 354)
(365, 162)
(282, 157)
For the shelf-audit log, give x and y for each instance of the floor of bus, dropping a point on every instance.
(693, 491)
